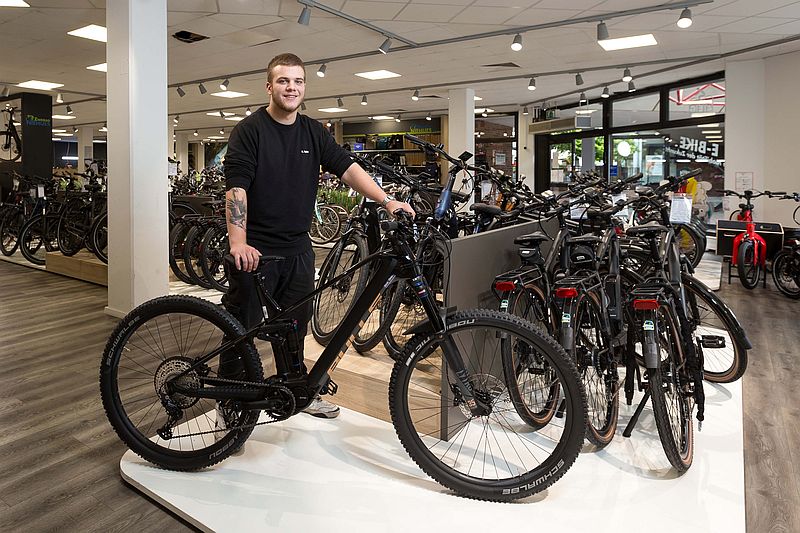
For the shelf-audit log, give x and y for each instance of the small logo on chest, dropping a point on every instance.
(304, 151)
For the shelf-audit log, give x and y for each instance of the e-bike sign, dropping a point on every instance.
(691, 148)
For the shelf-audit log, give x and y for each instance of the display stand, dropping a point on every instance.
(351, 474)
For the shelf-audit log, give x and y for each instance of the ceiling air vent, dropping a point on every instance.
(188, 37)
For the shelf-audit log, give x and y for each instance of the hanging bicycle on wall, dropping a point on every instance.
(10, 141)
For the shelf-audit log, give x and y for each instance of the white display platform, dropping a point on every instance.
(351, 475)
(709, 271)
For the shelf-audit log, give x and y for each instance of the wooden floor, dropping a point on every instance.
(59, 457)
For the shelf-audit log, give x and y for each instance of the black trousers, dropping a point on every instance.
(288, 281)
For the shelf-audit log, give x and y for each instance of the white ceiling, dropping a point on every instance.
(36, 46)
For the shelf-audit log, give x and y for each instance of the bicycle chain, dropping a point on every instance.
(243, 426)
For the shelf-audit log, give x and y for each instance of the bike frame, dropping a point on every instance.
(759, 244)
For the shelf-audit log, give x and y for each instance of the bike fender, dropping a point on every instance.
(736, 328)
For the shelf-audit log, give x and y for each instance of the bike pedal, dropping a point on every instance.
(330, 388)
(712, 341)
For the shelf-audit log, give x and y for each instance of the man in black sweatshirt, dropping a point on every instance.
(271, 172)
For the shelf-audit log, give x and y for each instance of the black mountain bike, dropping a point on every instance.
(162, 381)
(10, 141)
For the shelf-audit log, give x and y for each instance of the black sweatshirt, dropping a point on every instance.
(278, 166)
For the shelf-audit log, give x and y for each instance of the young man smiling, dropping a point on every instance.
(271, 171)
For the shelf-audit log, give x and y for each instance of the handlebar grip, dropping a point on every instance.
(691, 174)
(415, 140)
(777, 193)
(635, 177)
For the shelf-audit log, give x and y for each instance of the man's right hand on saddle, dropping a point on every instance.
(245, 257)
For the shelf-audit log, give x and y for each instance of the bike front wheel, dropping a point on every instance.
(786, 273)
(155, 346)
(748, 268)
(495, 455)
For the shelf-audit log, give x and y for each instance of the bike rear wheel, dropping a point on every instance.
(326, 228)
(10, 147)
(10, 227)
(99, 237)
(532, 387)
(331, 305)
(152, 345)
(748, 268)
(493, 456)
(192, 254)
(177, 240)
(672, 407)
(73, 227)
(215, 246)
(32, 240)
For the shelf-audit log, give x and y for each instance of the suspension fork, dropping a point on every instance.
(451, 352)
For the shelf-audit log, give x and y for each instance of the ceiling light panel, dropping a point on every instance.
(41, 85)
(14, 3)
(216, 114)
(64, 117)
(378, 75)
(229, 94)
(623, 43)
(92, 31)
(100, 67)
(332, 110)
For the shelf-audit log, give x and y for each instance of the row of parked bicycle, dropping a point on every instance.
(615, 292)
(47, 215)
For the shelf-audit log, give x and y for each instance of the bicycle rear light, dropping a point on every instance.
(566, 292)
(504, 286)
(645, 305)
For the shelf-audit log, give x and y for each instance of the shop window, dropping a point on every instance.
(495, 142)
(699, 100)
(638, 110)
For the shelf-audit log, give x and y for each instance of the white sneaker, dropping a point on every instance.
(221, 424)
(322, 408)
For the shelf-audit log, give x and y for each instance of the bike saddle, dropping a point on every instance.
(647, 230)
(531, 239)
(583, 239)
(486, 209)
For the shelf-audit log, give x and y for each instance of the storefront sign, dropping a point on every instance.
(690, 148)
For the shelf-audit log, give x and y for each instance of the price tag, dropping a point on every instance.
(578, 211)
(172, 169)
(486, 188)
(352, 193)
(40, 191)
(616, 198)
(681, 209)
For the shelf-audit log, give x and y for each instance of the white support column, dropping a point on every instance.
(85, 146)
(137, 152)
(461, 124)
(745, 97)
(182, 149)
(200, 156)
(170, 137)
(524, 148)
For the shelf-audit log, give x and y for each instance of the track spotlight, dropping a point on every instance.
(578, 79)
(364, 100)
(176, 119)
(605, 93)
(321, 70)
(224, 84)
(583, 99)
(302, 106)
(484, 114)
(602, 31)
(195, 133)
(59, 98)
(532, 84)
(631, 86)
(69, 108)
(202, 89)
(626, 75)
(339, 103)
(221, 114)
(685, 19)
(525, 111)
(222, 131)
(397, 118)
(5, 92)
(328, 124)
(305, 16)
(415, 96)
(385, 46)
(428, 117)
(247, 112)
(516, 44)
(180, 92)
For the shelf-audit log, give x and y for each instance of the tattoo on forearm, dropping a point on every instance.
(237, 208)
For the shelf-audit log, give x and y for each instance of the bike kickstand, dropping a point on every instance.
(635, 418)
